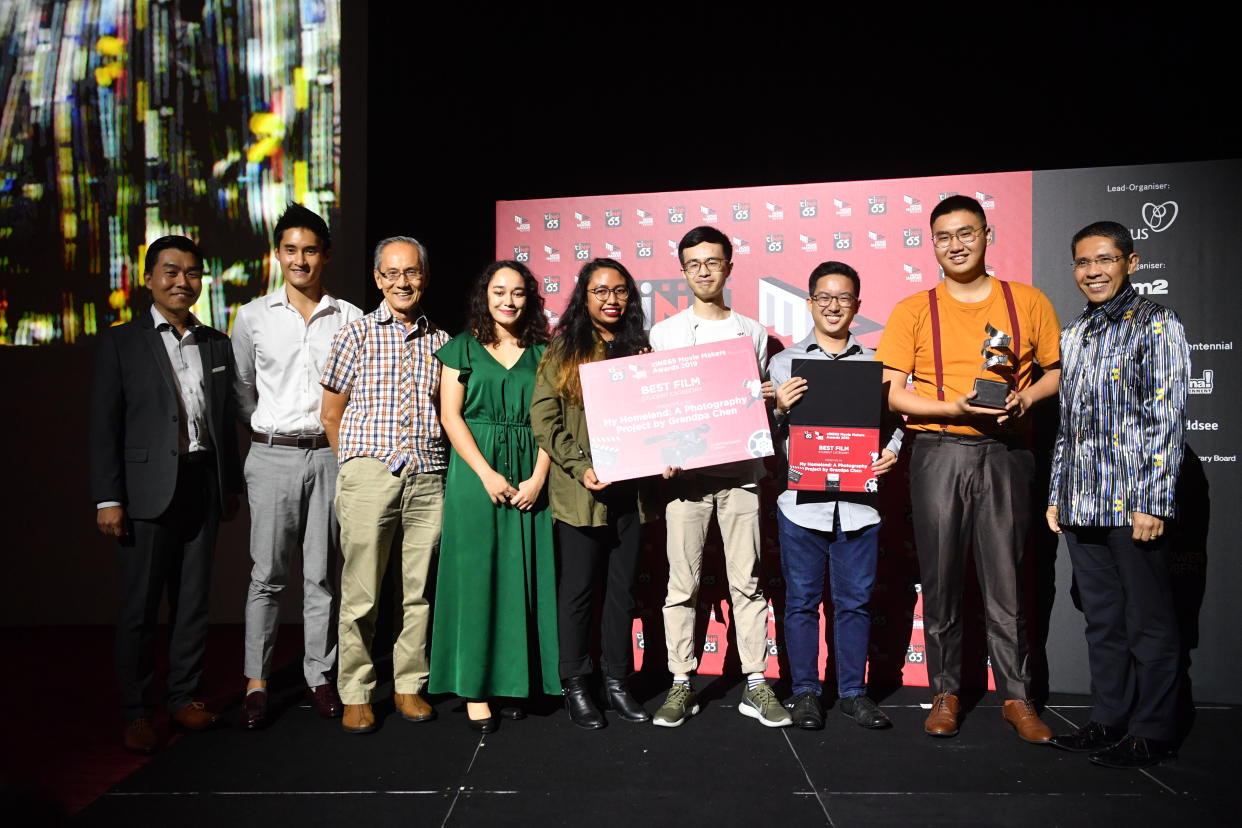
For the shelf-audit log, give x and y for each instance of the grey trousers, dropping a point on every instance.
(972, 491)
(290, 492)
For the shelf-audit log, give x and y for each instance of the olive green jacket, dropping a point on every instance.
(561, 430)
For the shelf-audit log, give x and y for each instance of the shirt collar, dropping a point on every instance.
(852, 346)
(383, 315)
(279, 298)
(1116, 307)
(162, 324)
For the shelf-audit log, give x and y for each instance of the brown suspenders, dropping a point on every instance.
(935, 320)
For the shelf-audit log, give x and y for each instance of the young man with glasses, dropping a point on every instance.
(730, 490)
(1113, 495)
(820, 533)
(971, 467)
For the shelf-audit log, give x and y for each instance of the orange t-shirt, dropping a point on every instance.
(906, 344)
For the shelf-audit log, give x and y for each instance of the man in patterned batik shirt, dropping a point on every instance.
(1125, 370)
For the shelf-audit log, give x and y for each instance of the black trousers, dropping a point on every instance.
(1132, 635)
(972, 491)
(171, 553)
(587, 557)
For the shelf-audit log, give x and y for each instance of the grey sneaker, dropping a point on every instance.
(761, 704)
(679, 705)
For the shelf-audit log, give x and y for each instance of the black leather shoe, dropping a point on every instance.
(582, 711)
(255, 709)
(807, 712)
(1133, 752)
(512, 712)
(488, 725)
(1090, 738)
(865, 712)
(620, 701)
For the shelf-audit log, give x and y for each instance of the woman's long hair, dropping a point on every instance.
(577, 341)
(532, 325)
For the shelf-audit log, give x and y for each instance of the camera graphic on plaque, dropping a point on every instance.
(996, 373)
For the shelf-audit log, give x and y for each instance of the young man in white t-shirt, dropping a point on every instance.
(730, 490)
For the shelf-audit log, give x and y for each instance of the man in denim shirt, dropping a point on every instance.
(821, 531)
(1125, 371)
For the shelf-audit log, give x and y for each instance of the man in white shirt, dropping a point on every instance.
(730, 490)
(280, 343)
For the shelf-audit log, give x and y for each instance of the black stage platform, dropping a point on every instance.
(718, 769)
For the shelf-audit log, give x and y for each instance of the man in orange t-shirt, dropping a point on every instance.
(970, 469)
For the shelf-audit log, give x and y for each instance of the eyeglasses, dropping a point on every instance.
(1098, 261)
(410, 273)
(692, 267)
(602, 293)
(844, 300)
(966, 235)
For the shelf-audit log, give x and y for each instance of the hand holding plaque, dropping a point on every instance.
(990, 393)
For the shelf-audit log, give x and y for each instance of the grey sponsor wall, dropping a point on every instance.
(1184, 219)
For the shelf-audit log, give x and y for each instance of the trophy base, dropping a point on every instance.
(990, 394)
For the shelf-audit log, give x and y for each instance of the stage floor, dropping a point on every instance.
(719, 767)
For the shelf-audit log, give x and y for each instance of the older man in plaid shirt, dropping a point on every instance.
(380, 386)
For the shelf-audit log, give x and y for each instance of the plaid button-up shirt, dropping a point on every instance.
(1125, 368)
(392, 378)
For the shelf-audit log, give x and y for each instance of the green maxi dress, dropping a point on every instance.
(494, 617)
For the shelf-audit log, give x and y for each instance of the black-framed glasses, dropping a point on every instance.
(844, 300)
(966, 235)
(410, 273)
(602, 293)
(713, 265)
(1098, 261)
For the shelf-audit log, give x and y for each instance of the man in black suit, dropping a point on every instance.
(164, 470)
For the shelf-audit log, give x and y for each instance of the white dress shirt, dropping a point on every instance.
(280, 358)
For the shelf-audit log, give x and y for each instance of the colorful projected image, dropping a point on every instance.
(127, 120)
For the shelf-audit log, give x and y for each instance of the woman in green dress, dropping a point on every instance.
(494, 629)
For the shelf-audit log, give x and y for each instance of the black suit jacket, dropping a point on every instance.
(134, 417)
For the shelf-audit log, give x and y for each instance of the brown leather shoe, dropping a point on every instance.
(1021, 714)
(413, 707)
(942, 720)
(254, 710)
(358, 718)
(194, 716)
(140, 736)
(325, 701)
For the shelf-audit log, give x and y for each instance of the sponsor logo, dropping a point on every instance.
(842, 240)
(808, 207)
(672, 250)
(1160, 217)
(988, 202)
(644, 249)
(877, 205)
(843, 208)
(676, 215)
(1202, 425)
(740, 246)
(551, 254)
(523, 226)
(551, 221)
(913, 205)
(915, 653)
(551, 284)
(913, 274)
(775, 213)
(612, 218)
(946, 194)
(711, 644)
(612, 250)
(645, 219)
(912, 237)
(878, 242)
(521, 253)
(584, 221)
(1156, 287)
(741, 211)
(774, 243)
(773, 650)
(639, 641)
(709, 215)
(1203, 384)
(809, 244)
(582, 251)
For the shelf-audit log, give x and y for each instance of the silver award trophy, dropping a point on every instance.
(991, 393)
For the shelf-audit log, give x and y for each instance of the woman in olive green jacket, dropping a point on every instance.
(598, 525)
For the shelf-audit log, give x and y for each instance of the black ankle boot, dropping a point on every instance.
(582, 711)
(620, 700)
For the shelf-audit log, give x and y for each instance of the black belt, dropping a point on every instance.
(302, 441)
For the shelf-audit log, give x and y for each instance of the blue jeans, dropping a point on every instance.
(850, 558)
